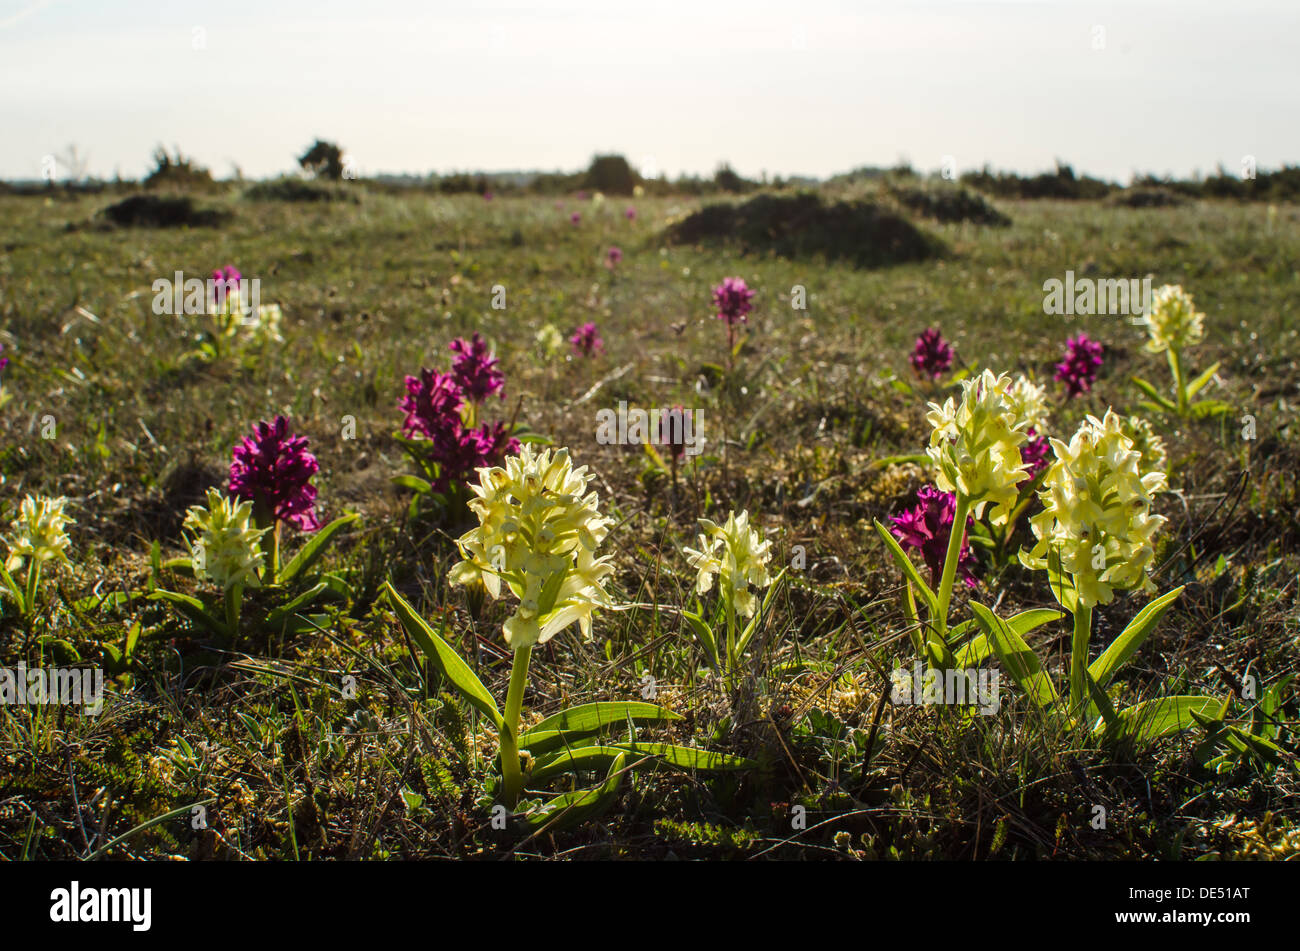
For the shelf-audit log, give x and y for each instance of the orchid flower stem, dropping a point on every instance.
(1079, 657)
(731, 637)
(1180, 388)
(33, 585)
(953, 555)
(275, 551)
(233, 598)
(512, 778)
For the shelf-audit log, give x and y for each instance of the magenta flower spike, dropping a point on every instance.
(586, 341)
(273, 470)
(1078, 371)
(932, 356)
(926, 528)
(733, 299)
(474, 369)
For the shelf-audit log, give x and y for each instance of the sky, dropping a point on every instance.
(799, 87)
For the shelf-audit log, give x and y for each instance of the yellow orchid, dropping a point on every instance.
(225, 547)
(1097, 512)
(538, 532)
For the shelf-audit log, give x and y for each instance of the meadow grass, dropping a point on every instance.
(294, 764)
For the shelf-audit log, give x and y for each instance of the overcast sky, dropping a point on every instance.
(797, 87)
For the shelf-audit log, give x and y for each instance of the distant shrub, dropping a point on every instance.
(1146, 197)
(159, 211)
(1062, 184)
(948, 203)
(323, 159)
(726, 179)
(176, 171)
(295, 189)
(611, 174)
(803, 224)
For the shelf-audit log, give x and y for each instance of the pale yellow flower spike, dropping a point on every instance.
(975, 443)
(738, 555)
(1097, 512)
(537, 535)
(1173, 322)
(225, 548)
(39, 531)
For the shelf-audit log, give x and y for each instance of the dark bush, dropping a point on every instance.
(1063, 184)
(160, 211)
(800, 225)
(1147, 197)
(323, 159)
(610, 174)
(295, 189)
(177, 171)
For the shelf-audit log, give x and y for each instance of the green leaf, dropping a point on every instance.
(181, 566)
(688, 757)
(572, 760)
(443, 657)
(1153, 719)
(311, 552)
(1130, 639)
(980, 648)
(1198, 384)
(705, 635)
(1020, 662)
(275, 617)
(905, 564)
(762, 612)
(1205, 408)
(1162, 402)
(570, 809)
(590, 717)
(191, 608)
(420, 486)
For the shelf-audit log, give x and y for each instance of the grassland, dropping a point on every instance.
(800, 433)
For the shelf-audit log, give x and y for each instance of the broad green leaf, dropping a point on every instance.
(688, 757)
(421, 486)
(905, 565)
(1130, 639)
(957, 631)
(572, 760)
(1153, 719)
(443, 657)
(1100, 705)
(1020, 662)
(1161, 401)
(181, 566)
(589, 717)
(191, 608)
(1205, 408)
(705, 635)
(570, 809)
(979, 649)
(311, 552)
(1198, 384)
(275, 617)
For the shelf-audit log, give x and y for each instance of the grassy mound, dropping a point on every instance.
(803, 225)
(948, 204)
(160, 211)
